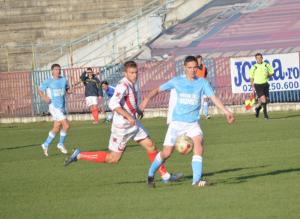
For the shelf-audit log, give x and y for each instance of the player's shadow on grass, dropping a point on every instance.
(286, 117)
(158, 182)
(19, 147)
(246, 178)
(224, 171)
(131, 182)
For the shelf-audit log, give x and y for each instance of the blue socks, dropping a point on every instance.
(50, 138)
(155, 165)
(197, 168)
(63, 135)
(205, 109)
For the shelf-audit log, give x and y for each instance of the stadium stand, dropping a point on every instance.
(229, 28)
(50, 23)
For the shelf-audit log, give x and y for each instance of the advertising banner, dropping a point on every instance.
(286, 72)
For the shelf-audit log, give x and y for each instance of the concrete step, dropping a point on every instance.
(52, 22)
(71, 15)
(16, 4)
(58, 9)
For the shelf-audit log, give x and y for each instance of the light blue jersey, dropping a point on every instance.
(56, 91)
(189, 93)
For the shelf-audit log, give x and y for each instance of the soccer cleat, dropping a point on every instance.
(62, 148)
(174, 178)
(150, 182)
(45, 149)
(207, 117)
(266, 117)
(201, 183)
(73, 157)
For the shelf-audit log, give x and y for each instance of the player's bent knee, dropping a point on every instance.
(113, 160)
(151, 148)
(55, 129)
(263, 99)
(66, 126)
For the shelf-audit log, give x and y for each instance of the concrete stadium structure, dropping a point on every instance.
(50, 23)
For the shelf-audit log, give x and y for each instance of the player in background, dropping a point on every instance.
(93, 92)
(109, 92)
(56, 88)
(125, 126)
(185, 117)
(202, 73)
(259, 76)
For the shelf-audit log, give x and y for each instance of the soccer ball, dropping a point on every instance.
(184, 144)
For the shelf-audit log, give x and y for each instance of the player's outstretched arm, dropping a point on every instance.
(152, 94)
(229, 115)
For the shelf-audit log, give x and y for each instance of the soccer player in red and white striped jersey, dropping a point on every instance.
(125, 126)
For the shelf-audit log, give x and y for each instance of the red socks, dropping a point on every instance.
(95, 114)
(94, 156)
(162, 169)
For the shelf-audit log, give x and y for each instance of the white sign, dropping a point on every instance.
(286, 72)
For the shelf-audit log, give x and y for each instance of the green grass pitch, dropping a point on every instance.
(254, 166)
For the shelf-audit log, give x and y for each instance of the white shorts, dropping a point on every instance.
(57, 114)
(180, 128)
(120, 136)
(91, 100)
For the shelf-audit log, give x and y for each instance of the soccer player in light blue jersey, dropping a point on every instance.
(189, 91)
(53, 91)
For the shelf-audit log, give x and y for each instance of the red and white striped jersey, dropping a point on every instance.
(125, 96)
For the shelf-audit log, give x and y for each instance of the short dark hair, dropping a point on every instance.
(190, 59)
(199, 56)
(104, 82)
(54, 65)
(130, 64)
(89, 69)
(258, 54)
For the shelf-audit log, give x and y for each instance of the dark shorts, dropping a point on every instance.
(262, 89)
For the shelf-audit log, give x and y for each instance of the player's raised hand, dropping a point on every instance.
(230, 117)
(140, 114)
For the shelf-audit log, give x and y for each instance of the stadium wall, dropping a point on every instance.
(152, 113)
(19, 96)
